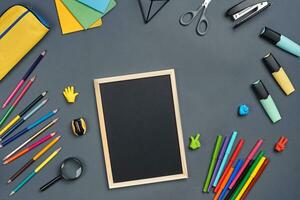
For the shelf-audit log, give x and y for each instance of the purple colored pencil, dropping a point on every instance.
(220, 158)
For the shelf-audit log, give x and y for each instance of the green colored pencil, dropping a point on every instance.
(238, 189)
(212, 162)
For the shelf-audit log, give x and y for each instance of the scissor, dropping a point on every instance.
(188, 17)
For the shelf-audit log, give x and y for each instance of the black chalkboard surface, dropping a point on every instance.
(140, 128)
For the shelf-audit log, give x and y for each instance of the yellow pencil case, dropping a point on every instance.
(20, 30)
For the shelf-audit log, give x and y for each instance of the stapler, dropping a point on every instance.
(245, 10)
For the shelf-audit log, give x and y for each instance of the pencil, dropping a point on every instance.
(22, 81)
(22, 113)
(22, 120)
(217, 195)
(227, 152)
(250, 178)
(35, 171)
(220, 157)
(256, 161)
(212, 162)
(30, 148)
(28, 128)
(16, 102)
(250, 156)
(31, 138)
(235, 171)
(232, 159)
(259, 173)
(33, 159)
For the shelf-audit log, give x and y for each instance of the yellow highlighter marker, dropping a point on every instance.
(253, 174)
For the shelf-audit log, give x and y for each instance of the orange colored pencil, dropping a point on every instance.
(31, 147)
(217, 195)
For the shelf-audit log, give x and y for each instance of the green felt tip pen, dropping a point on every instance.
(240, 186)
(212, 162)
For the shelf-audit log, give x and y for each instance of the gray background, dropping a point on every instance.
(213, 77)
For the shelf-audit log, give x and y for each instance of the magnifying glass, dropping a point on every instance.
(70, 170)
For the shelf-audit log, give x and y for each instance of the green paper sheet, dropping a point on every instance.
(110, 6)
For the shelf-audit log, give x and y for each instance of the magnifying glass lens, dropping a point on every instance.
(71, 169)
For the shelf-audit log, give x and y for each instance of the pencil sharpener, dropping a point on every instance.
(78, 126)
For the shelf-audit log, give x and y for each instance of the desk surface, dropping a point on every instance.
(213, 77)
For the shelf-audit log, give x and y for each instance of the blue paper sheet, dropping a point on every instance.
(99, 5)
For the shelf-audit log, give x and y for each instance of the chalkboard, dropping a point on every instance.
(140, 128)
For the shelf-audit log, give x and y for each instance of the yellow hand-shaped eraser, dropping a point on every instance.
(70, 94)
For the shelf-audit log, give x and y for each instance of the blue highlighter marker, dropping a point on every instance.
(281, 41)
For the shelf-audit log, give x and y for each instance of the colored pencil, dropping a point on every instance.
(250, 178)
(259, 173)
(22, 120)
(212, 162)
(35, 171)
(228, 150)
(33, 159)
(217, 195)
(22, 113)
(30, 148)
(250, 157)
(256, 161)
(228, 196)
(28, 128)
(235, 171)
(32, 138)
(230, 162)
(220, 157)
(16, 102)
(22, 81)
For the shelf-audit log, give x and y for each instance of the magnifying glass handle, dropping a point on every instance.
(50, 183)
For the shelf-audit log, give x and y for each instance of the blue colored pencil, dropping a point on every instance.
(28, 128)
(22, 120)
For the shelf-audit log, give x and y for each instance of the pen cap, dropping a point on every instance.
(260, 90)
(271, 63)
(270, 35)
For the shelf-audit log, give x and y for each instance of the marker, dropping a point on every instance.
(22, 113)
(232, 139)
(22, 120)
(28, 128)
(256, 161)
(36, 171)
(216, 197)
(30, 148)
(22, 81)
(280, 41)
(278, 74)
(235, 171)
(250, 157)
(212, 163)
(250, 178)
(266, 101)
(239, 180)
(230, 162)
(259, 173)
(220, 157)
(16, 102)
(31, 138)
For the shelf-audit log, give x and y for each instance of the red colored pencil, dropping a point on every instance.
(31, 147)
(257, 176)
(230, 163)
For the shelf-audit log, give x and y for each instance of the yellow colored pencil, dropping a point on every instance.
(35, 171)
(253, 174)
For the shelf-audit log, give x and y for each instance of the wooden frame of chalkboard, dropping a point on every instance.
(129, 157)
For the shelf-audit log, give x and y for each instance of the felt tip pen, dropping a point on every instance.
(266, 101)
(280, 41)
(278, 74)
